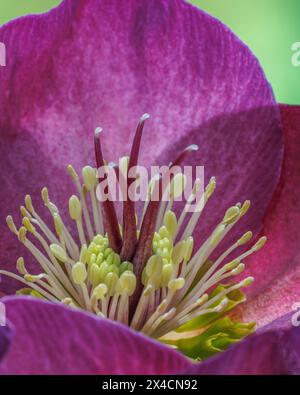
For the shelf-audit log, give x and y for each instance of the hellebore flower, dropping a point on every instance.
(107, 62)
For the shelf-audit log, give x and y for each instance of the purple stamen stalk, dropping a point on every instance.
(180, 158)
(129, 221)
(111, 223)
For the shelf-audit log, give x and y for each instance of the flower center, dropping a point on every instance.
(147, 276)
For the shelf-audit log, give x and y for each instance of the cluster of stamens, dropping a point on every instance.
(111, 269)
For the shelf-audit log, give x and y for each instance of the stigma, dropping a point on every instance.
(143, 272)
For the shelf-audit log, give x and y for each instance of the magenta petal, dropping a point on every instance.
(53, 339)
(273, 351)
(274, 295)
(105, 62)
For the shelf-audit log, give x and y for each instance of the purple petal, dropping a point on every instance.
(273, 351)
(5, 339)
(275, 295)
(53, 339)
(200, 84)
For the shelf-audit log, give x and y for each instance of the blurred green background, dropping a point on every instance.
(268, 27)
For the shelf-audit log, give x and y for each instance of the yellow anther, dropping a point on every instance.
(126, 284)
(111, 280)
(24, 212)
(231, 215)
(22, 234)
(217, 234)
(154, 267)
(163, 232)
(79, 273)
(72, 172)
(177, 185)
(110, 258)
(28, 225)
(21, 266)
(107, 252)
(58, 224)
(238, 270)
(246, 282)
(83, 254)
(100, 291)
(179, 252)
(89, 176)
(170, 222)
(11, 225)
(45, 196)
(104, 270)
(99, 258)
(245, 238)
(210, 188)
(176, 284)
(59, 253)
(259, 244)
(74, 208)
(189, 248)
(232, 265)
(166, 274)
(92, 259)
(245, 207)
(28, 203)
(31, 278)
(94, 275)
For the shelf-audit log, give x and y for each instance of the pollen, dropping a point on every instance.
(143, 272)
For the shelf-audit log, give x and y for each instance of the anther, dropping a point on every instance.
(89, 176)
(74, 208)
(79, 273)
(245, 238)
(21, 266)
(11, 225)
(22, 234)
(260, 243)
(72, 172)
(59, 253)
(28, 204)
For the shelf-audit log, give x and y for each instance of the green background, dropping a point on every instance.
(268, 27)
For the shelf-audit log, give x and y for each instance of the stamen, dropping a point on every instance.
(89, 176)
(144, 274)
(80, 190)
